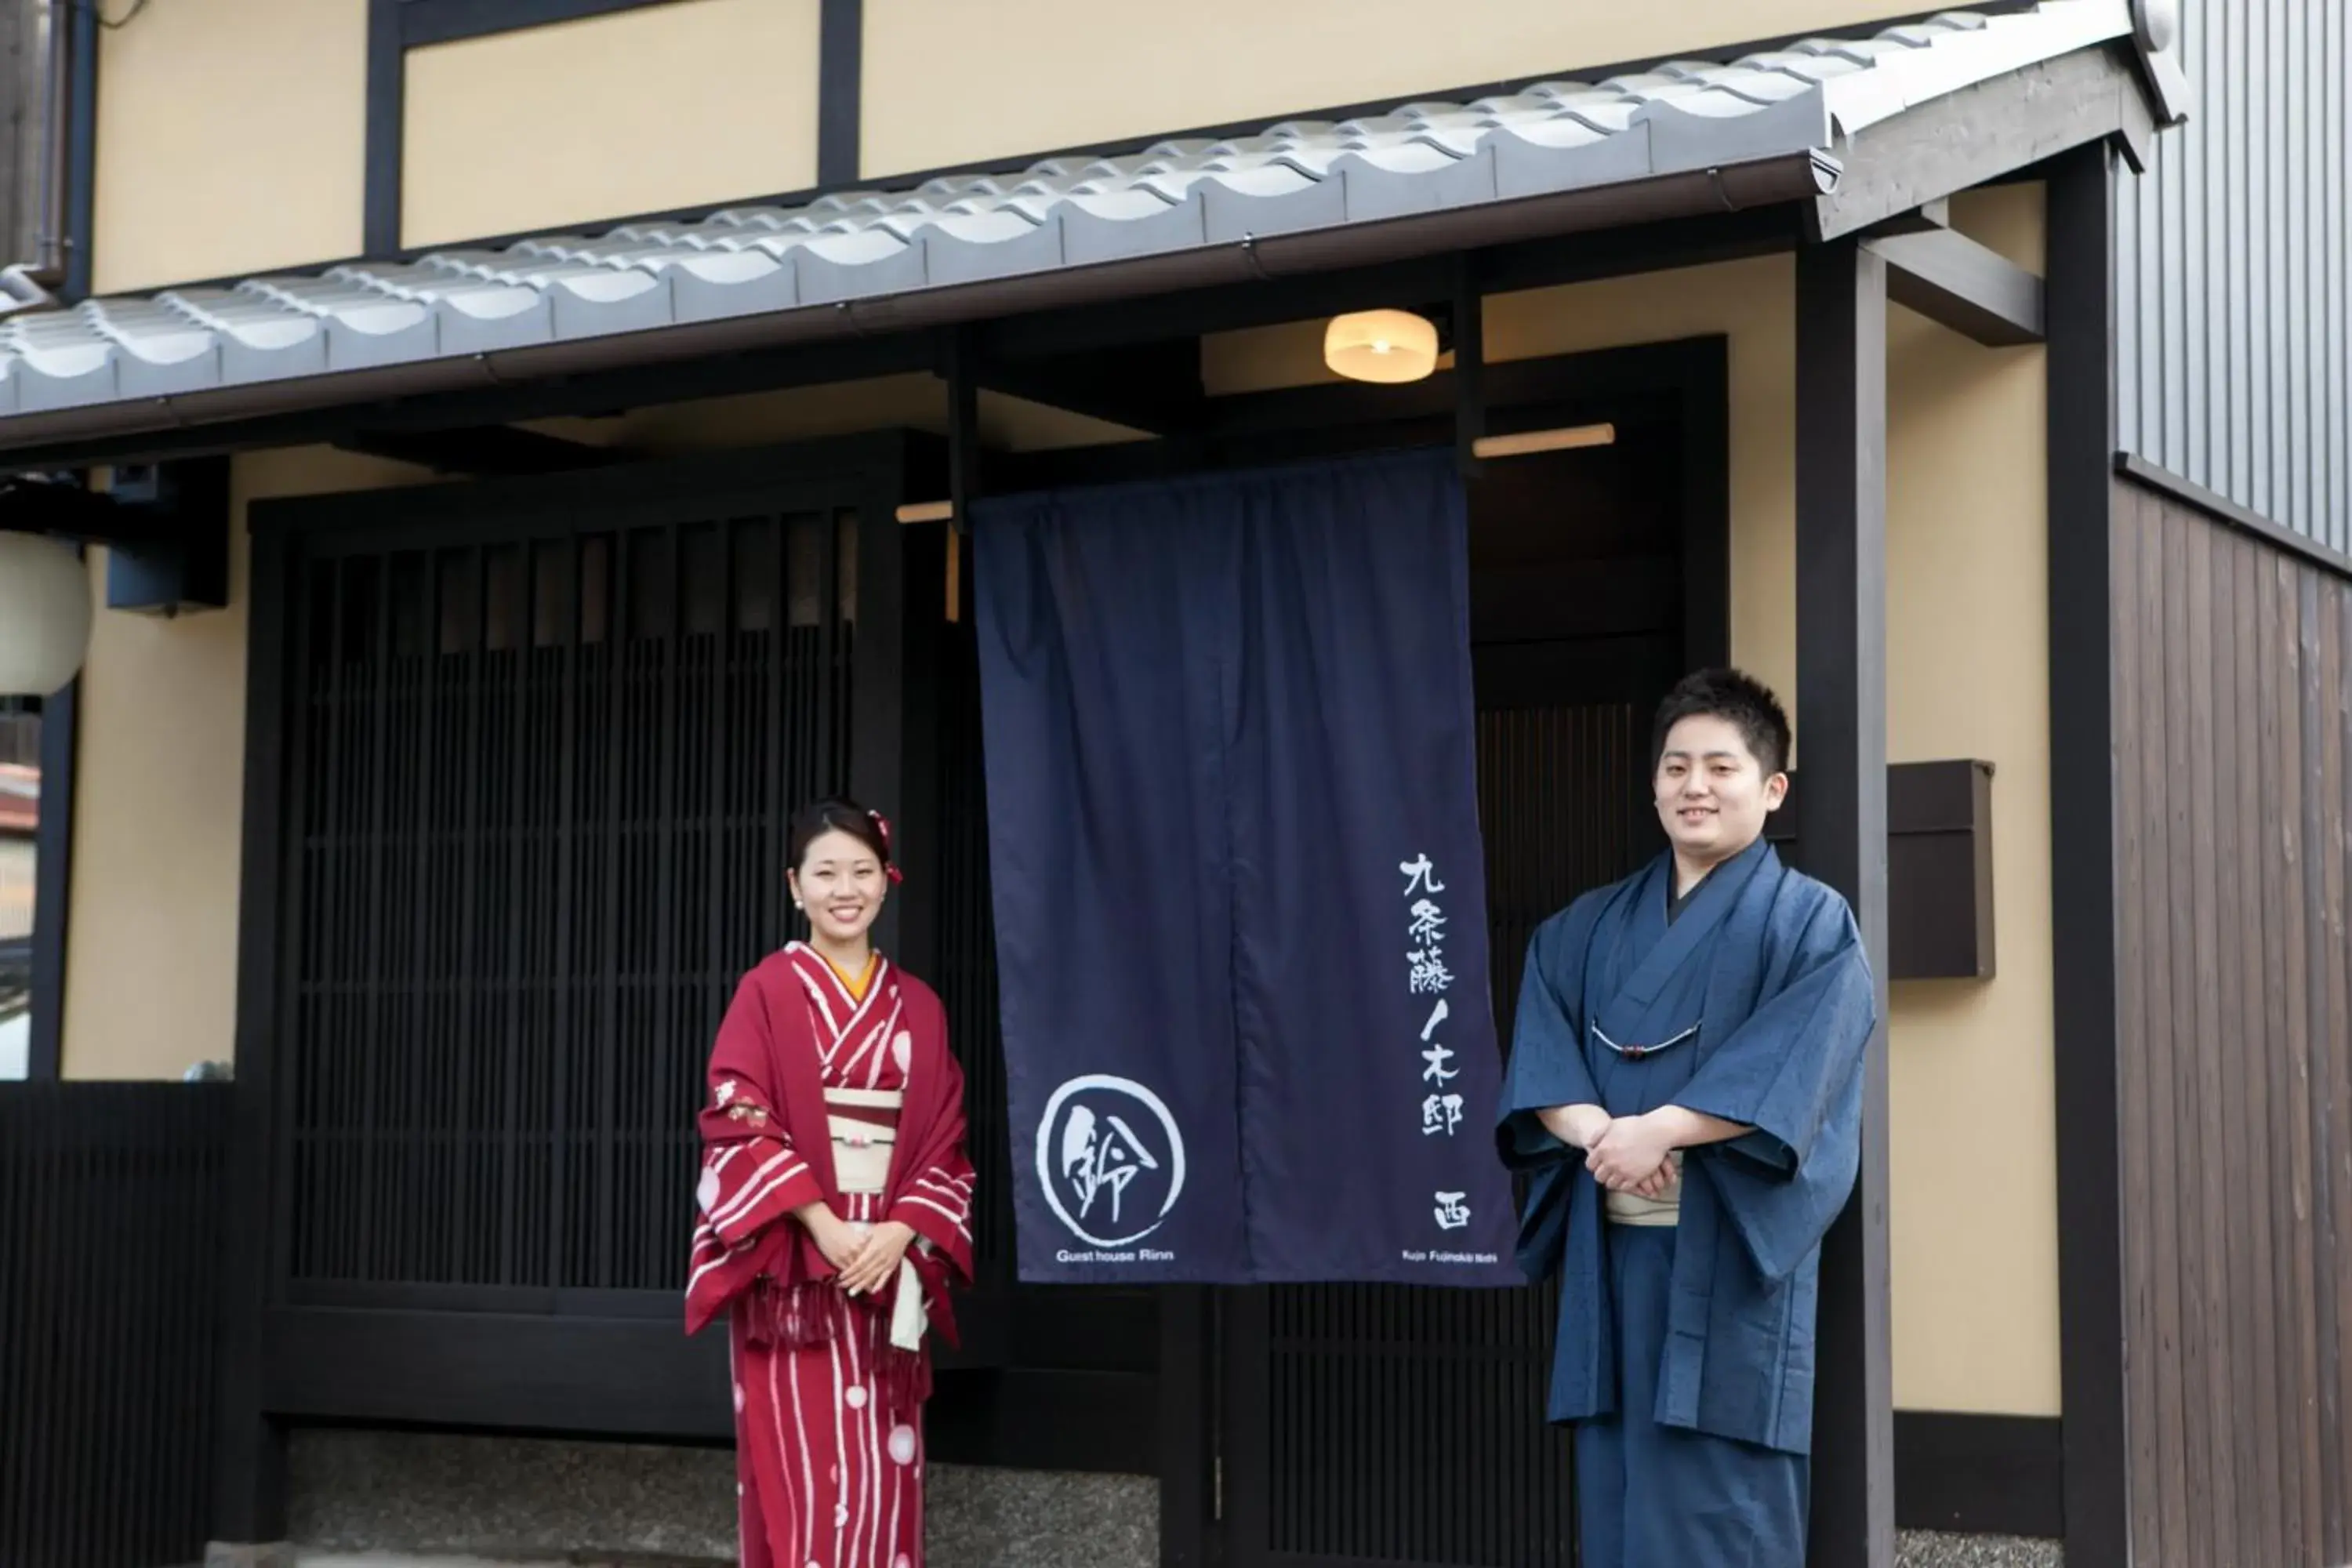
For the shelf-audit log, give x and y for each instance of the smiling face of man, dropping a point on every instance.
(1713, 794)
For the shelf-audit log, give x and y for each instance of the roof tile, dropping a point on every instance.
(1422, 156)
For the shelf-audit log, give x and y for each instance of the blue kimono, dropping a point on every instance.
(1685, 1353)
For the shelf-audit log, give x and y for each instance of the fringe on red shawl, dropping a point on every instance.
(804, 1316)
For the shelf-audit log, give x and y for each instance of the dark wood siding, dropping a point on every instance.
(2232, 718)
(109, 1249)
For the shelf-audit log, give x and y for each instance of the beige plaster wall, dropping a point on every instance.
(949, 82)
(151, 951)
(682, 105)
(1974, 1117)
(231, 139)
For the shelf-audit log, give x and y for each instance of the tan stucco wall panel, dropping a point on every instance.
(692, 104)
(949, 82)
(1974, 1125)
(159, 779)
(231, 139)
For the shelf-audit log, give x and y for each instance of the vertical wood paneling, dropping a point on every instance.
(106, 1351)
(2234, 1009)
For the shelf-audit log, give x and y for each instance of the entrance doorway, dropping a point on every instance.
(1366, 1424)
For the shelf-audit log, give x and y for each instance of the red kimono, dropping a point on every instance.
(818, 1092)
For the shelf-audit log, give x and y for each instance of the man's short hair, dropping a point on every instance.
(1739, 699)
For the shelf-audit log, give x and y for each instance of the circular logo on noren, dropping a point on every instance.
(1111, 1158)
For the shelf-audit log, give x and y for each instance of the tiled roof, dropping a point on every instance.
(1553, 136)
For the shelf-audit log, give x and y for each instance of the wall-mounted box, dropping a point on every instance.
(1938, 867)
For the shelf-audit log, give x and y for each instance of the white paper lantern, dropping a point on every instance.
(44, 615)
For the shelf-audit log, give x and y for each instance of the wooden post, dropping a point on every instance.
(2080, 291)
(894, 762)
(1841, 737)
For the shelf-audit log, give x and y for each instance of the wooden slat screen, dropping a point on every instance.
(110, 1209)
(539, 793)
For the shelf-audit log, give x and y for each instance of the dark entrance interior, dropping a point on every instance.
(1387, 1423)
(532, 742)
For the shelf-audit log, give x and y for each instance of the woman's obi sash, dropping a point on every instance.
(864, 1127)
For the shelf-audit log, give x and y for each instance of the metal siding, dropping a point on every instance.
(2232, 255)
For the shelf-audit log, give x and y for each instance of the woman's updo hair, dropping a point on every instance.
(836, 813)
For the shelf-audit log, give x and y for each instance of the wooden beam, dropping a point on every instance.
(53, 882)
(840, 82)
(248, 1446)
(481, 449)
(1154, 387)
(2091, 1302)
(1971, 287)
(1841, 742)
(1980, 133)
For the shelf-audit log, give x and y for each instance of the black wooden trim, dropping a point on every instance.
(386, 111)
(840, 82)
(82, 153)
(1705, 367)
(661, 488)
(1841, 739)
(249, 1451)
(2229, 514)
(1979, 1475)
(424, 22)
(1962, 284)
(483, 449)
(53, 882)
(2081, 274)
(1187, 1436)
(607, 1377)
(1035, 1419)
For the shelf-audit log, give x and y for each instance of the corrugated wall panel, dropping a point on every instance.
(2233, 251)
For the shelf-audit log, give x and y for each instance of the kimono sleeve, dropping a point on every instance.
(1793, 1072)
(1547, 1066)
(935, 1199)
(752, 1175)
(1547, 1069)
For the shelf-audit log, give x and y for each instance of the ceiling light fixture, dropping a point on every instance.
(1385, 346)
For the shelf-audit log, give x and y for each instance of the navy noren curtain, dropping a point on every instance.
(1240, 903)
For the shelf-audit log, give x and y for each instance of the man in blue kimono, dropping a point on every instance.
(1685, 1092)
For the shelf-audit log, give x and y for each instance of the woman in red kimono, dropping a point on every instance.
(836, 1210)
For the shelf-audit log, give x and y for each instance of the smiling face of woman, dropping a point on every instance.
(840, 883)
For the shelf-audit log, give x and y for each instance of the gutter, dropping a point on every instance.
(1788, 178)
